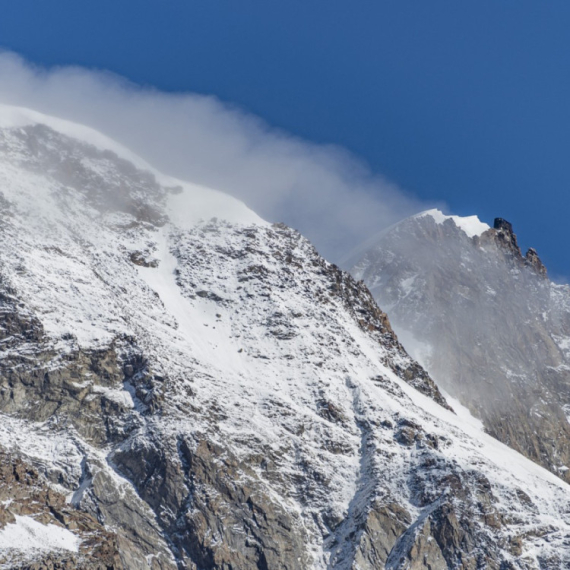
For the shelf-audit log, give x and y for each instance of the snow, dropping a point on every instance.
(537, 480)
(70, 294)
(408, 284)
(468, 430)
(13, 117)
(505, 468)
(30, 537)
(471, 225)
(355, 259)
(421, 352)
(190, 204)
(196, 328)
(196, 203)
(249, 344)
(53, 451)
(122, 397)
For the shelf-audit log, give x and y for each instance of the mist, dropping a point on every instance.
(324, 191)
(479, 319)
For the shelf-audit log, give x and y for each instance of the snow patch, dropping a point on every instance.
(28, 536)
(408, 284)
(195, 203)
(121, 397)
(471, 225)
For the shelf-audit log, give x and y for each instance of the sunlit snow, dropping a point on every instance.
(471, 225)
(30, 537)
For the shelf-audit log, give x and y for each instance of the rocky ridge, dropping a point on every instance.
(505, 238)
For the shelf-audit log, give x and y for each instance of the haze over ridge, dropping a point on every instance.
(322, 190)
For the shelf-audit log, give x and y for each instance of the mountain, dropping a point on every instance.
(184, 385)
(485, 321)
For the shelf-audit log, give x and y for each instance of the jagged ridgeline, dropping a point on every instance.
(185, 386)
(485, 321)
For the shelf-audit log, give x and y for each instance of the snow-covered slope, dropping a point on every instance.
(213, 392)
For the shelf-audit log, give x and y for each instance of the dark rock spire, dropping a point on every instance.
(506, 238)
(532, 260)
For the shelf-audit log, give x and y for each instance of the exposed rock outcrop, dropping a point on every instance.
(534, 261)
(24, 493)
(503, 235)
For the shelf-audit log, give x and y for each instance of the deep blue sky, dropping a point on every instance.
(466, 102)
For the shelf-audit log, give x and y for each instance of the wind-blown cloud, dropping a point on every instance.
(322, 190)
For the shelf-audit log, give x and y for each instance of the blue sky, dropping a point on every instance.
(462, 102)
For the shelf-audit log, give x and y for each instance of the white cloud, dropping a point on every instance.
(323, 191)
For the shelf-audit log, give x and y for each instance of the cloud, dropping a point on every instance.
(322, 190)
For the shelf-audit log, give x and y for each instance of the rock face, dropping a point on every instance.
(486, 323)
(207, 392)
(506, 239)
(24, 493)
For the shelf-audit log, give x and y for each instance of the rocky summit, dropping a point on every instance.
(186, 386)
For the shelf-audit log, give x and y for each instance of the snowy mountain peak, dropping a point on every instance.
(471, 225)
